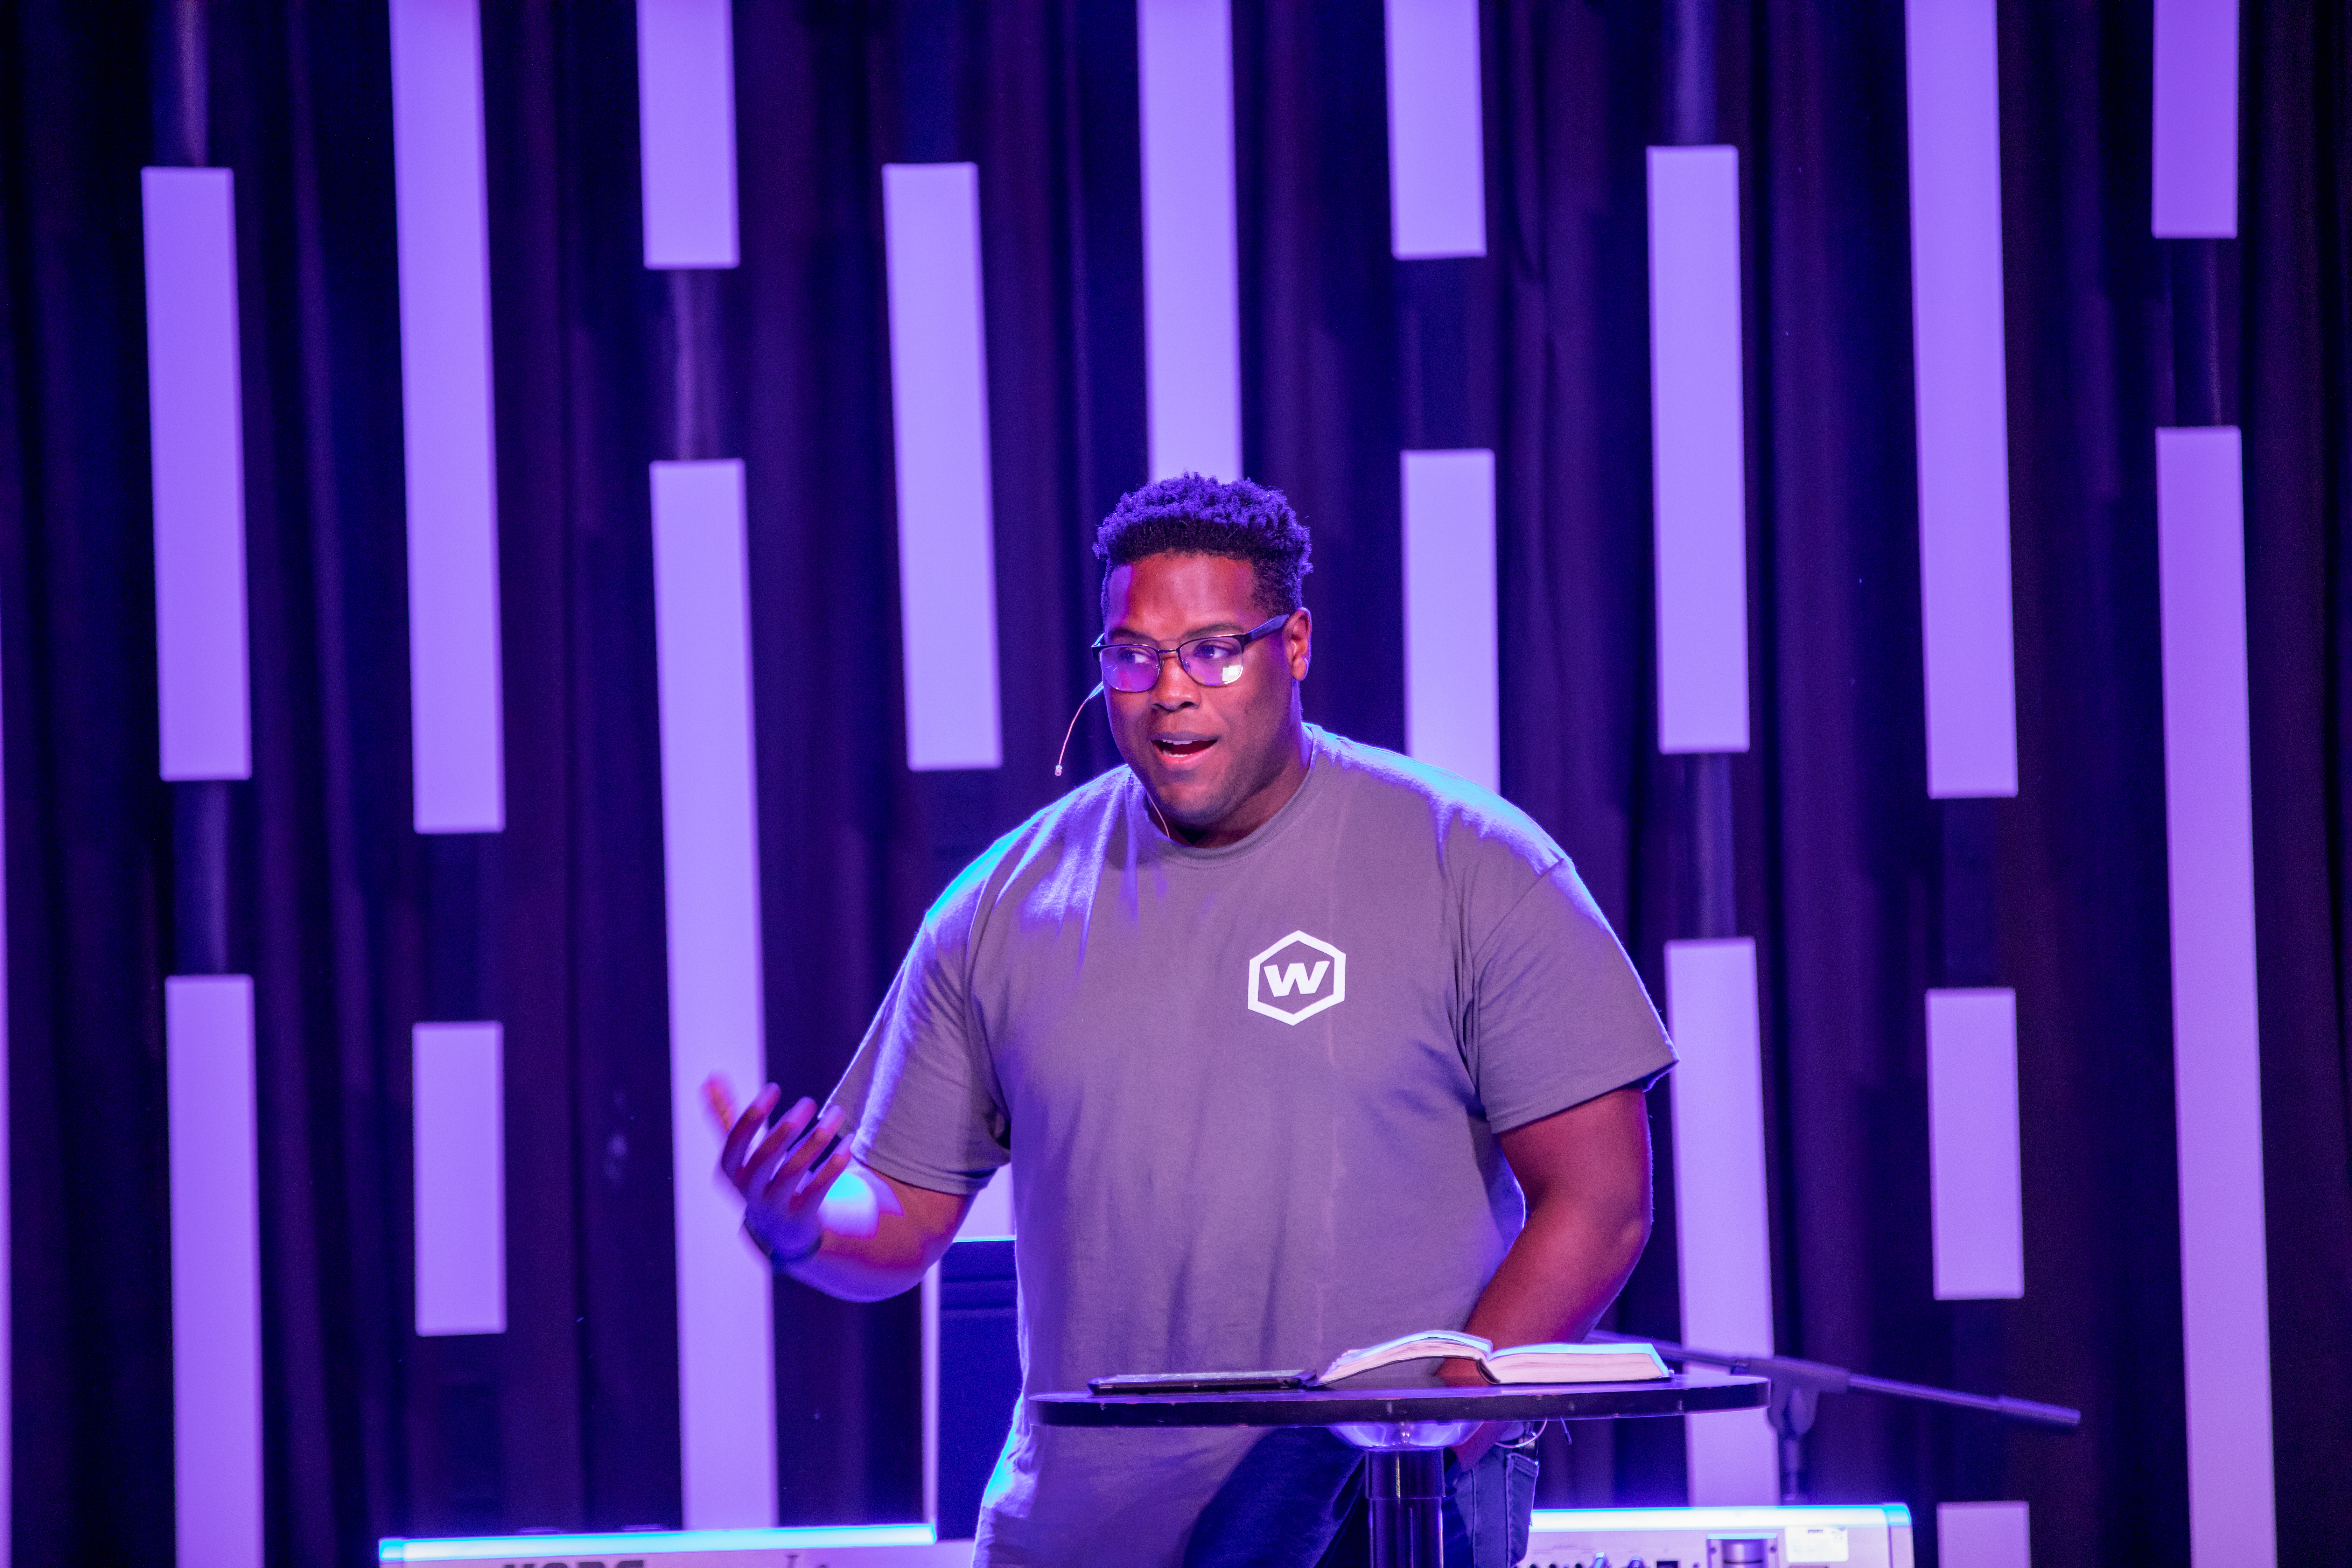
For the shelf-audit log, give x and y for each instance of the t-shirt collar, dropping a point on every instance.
(1177, 852)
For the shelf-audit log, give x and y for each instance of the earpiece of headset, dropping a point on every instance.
(1157, 820)
(1073, 730)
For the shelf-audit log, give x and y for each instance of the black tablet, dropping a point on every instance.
(1199, 1381)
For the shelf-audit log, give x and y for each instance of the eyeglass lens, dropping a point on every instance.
(1135, 667)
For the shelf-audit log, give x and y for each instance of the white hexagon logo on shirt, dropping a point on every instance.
(1296, 978)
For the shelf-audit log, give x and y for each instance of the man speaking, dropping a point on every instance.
(1296, 1044)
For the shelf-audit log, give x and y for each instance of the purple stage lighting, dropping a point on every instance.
(1191, 268)
(1983, 1535)
(990, 1219)
(686, 130)
(455, 707)
(460, 1171)
(710, 856)
(215, 1270)
(939, 396)
(2194, 144)
(2216, 1033)
(1452, 701)
(1972, 1151)
(1698, 451)
(1437, 151)
(1723, 1234)
(196, 430)
(7, 1269)
(1963, 394)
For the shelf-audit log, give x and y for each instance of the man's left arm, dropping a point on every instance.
(1586, 1175)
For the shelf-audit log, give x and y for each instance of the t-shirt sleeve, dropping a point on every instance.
(926, 1098)
(1559, 1016)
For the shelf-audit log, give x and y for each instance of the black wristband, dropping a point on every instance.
(777, 1261)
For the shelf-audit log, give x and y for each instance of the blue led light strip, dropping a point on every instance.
(1559, 1520)
(650, 1542)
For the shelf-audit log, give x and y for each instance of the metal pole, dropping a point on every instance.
(1405, 1489)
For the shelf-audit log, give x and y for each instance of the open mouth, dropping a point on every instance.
(1175, 747)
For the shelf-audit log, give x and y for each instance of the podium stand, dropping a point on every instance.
(1404, 1432)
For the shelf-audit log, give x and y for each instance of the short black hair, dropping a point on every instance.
(1193, 514)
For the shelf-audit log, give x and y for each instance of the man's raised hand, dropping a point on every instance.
(783, 1178)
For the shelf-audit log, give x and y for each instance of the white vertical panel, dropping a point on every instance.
(2193, 162)
(711, 874)
(1699, 458)
(215, 1270)
(1437, 151)
(2216, 1036)
(1192, 342)
(1453, 706)
(938, 397)
(458, 1109)
(1972, 1145)
(457, 725)
(990, 1219)
(686, 120)
(196, 429)
(1721, 1214)
(930, 1307)
(1983, 1535)
(7, 1271)
(1962, 397)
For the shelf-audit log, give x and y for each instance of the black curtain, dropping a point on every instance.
(1860, 892)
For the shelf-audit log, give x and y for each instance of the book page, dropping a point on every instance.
(1433, 1345)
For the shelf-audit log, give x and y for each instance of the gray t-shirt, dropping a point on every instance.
(1251, 1095)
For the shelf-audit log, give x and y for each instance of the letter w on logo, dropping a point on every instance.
(1296, 977)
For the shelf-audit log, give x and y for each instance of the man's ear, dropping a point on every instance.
(1299, 642)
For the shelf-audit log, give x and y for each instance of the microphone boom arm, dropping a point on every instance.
(1798, 1385)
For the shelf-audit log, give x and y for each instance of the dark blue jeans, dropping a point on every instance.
(1296, 1501)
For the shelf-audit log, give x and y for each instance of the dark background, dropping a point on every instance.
(1860, 890)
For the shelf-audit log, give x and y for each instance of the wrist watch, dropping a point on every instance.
(780, 1261)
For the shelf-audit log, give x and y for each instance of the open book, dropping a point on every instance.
(1617, 1362)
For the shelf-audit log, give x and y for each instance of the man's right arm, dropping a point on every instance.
(829, 1222)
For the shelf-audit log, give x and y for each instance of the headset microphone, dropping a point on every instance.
(1073, 730)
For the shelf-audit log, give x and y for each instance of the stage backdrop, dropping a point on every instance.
(1858, 888)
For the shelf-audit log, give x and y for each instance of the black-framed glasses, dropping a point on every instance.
(1211, 660)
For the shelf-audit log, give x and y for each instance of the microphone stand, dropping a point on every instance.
(1798, 1385)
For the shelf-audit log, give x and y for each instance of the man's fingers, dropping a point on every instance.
(746, 1128)
(810, 1150)
(718, 1099)
(783, 1180)
(755, 1168)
